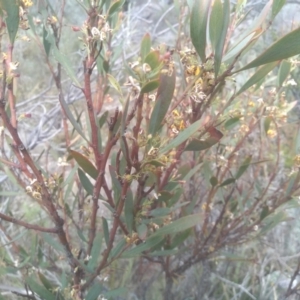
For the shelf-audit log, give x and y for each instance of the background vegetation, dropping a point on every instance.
(159, 165)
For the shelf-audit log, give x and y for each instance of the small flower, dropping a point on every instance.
(271, 133)
(297, 161)
(291, 82)
(244, 128)
(62, 162)
(27, 3)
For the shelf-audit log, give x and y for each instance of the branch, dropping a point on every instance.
(27, 225)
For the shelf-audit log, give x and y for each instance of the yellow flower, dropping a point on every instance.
(27, 3)
(297, 160)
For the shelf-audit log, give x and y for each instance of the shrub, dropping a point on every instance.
(186, 165)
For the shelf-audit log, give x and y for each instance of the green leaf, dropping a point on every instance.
(227, 182)
(180, 238)
(216, 22)
(148, 244)
(222, 38)
(142, 231)
(164, 252)
(277, 6)
(95, 253)
(264, 212)
(70, 178)
(64, 61)
(192, 172)
(213, 181)
(150, 86)
(272, 220)
(267, 122)
(285, 47)
(198, 26)
(219, 21)
(40, 290)
(81, 235)
(94, 292)
(117, 249)
(45, 282)
(283, 72)
(128, 211)
(46, 43)
(115, 183)
(160, 212)
(257, 76)
(163, 99)
(84, 163)
(11, 10)
(237, 48)
(52, 242)
(102, 119)
(153, 60)
(85, 182)
(182, 137)
(70, 116)
(115, 84)
(179, 225)
(115, 293)
(115, 7)
(198, 145)
(247, 39)
(105, 230)
(244, 166)
(145, 46)
(229, 124)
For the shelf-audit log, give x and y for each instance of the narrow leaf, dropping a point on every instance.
(148, 244)
(283, 72)
(40, 290)
(267, 122)
(94, 292)
(198, 145)
(70, 116)
(85, 182)
(163, 99)
(145, 46)
(244, 166)
(227, 182)
(128, 211)
(222, 38)
(11, 10)
(229, 124)
(115, 84)
(46, 43)
(115, 7)
(116, 293)
(179, 225)
(257, 76)
(153, 60)
(45, 282)
(150, 86)
(105, 230)
(216, 22)
(95, 253)
(116, 251)
(198, 25)
(84, 163)
(277, 6)
(285, 47)
(182, 137)
(65, 63)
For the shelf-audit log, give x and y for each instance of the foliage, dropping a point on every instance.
(188, 166)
